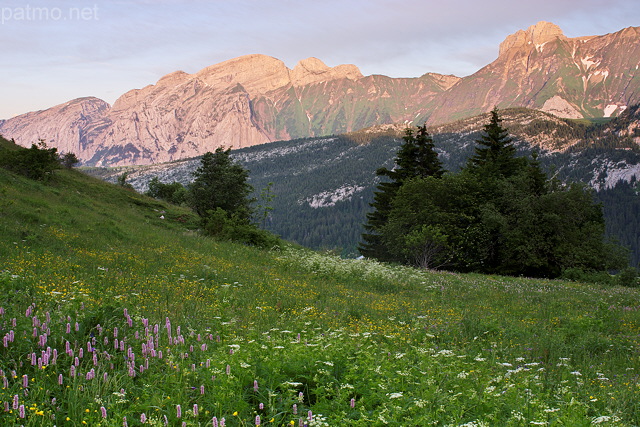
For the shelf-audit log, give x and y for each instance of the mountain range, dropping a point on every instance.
(256, 99)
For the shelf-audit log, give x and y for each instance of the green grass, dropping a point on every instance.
(86, 264)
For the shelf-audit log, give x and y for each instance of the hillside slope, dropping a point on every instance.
(113, 312)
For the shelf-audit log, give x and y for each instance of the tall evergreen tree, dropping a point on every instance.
(219, 182)
(495, 154)
(416, 158)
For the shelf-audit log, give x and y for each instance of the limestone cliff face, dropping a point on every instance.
(62, 126)
(541, 68)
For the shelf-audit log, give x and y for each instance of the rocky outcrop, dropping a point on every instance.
(312, 70)
(536, 35)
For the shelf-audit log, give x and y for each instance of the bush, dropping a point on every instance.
(220, 225)
(69, 160)
(627, 277)
(589, 276)
(173, 193)
(38, 162)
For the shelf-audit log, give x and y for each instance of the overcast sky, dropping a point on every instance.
(52, 51)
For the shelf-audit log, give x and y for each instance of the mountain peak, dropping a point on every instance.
(313, 70)
(535, 35)
(258, 74)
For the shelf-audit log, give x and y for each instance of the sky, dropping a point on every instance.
(52, 51)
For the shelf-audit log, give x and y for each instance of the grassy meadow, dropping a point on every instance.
(115, 312)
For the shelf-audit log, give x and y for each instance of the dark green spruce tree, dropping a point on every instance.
(416, 158)
(495, 154)
(220, 195)
(220, 183)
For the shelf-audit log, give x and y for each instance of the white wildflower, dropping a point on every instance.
(605, 419)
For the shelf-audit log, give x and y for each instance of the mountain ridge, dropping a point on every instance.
(256, 98)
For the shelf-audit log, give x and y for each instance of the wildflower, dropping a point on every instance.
(178, 411)
(21, 411)
(214, 422)
(195, 409)
(255, 385)
(353, 403)
(103, 411)
(143, 418)
(257, 420)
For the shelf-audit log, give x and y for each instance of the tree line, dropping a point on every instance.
(500, 214)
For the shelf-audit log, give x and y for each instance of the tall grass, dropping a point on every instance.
(114, 311)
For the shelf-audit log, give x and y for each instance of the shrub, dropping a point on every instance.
(589, 276)
(38, 162)
(220, 225)
(627, 277)
(173, 193)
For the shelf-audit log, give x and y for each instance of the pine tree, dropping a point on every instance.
(416, 158)
(220, 183)
(496, 154)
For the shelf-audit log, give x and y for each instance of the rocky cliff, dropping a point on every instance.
(256, 99)
(541, 68)
(62, 126)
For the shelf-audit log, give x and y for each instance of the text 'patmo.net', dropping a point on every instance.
(56, 14)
